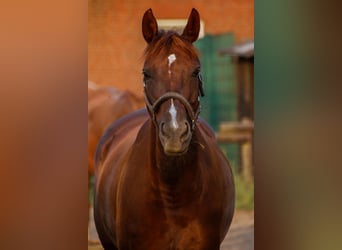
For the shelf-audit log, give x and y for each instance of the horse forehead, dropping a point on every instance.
(172, 57)
(175, 58)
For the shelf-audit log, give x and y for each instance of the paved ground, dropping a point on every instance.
(241, 232)
(239, 237)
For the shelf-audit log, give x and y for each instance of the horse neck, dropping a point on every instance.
(176, 181)
(173, 170)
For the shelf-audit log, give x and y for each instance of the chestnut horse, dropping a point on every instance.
(161, 181)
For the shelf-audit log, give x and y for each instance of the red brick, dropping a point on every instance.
(115, 43)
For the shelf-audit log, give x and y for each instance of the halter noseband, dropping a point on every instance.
(153, 107)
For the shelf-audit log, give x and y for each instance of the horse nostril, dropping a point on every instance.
(169, 131)
(162, 127)
(186, 131)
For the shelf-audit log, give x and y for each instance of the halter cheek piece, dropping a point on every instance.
(200, 84)
(153, 107)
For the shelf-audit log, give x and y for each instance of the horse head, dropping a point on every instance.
(172, 81)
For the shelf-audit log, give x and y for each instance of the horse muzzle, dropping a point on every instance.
(175, 139)
(175, 125)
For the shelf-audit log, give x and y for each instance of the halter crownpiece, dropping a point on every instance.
(200, 84)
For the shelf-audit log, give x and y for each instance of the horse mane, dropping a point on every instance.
(166, 41)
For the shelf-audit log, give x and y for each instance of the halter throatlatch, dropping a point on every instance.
(153, 107)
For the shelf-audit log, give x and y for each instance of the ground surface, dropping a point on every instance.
(239, 237)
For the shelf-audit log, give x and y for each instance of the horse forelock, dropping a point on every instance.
(167, 42)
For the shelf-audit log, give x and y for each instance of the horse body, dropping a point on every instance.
(161, 180)
(158, 202)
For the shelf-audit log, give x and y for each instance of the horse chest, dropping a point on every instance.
(153, 223)
(160, 230)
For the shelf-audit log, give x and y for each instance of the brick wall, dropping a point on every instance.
(115, 42)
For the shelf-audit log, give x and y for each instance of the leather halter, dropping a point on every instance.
(153, 107)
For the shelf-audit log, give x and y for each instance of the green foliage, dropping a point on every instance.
(244, 189)
(244, 193)
(91, 191)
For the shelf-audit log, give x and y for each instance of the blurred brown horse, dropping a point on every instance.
(161, 180)
(105, 105)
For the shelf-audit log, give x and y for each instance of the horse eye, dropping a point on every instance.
(196, 72)
(146, 75)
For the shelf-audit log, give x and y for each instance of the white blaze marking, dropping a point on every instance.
(171, 59)
(173, 113)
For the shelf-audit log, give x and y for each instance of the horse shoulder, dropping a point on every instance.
(111, 168)
(215, 155)
(221, 176)
(206, 130)
(119, 130)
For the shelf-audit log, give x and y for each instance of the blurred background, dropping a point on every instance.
(226, 47)
(45, 49)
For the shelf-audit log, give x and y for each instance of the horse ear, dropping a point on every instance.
(192, 28)
(149, 26)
